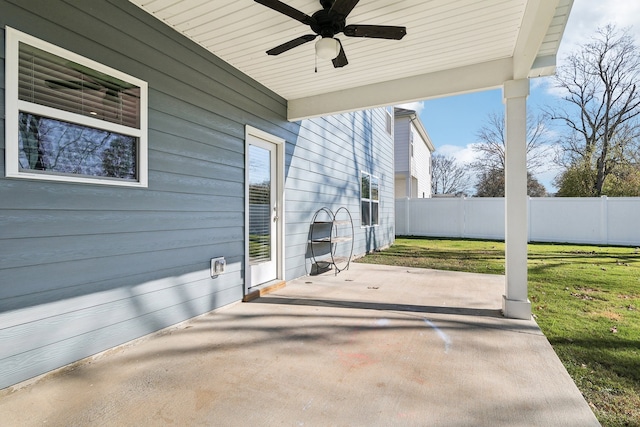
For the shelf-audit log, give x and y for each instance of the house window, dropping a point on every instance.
(411, 141)
(369, 199)
(389, 118)
(72, 119)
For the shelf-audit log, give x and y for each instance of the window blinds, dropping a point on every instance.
(52, 81)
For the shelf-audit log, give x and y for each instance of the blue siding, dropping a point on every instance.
(324, 171)
(84, 268)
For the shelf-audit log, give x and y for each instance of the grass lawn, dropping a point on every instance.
(586, 299)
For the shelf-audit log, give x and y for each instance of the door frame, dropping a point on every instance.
(279, 143)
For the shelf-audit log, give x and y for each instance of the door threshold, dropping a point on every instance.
(264, 289)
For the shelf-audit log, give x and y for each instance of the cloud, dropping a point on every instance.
(548, 86)
(588, 15)
(463, 155)
(415, 106)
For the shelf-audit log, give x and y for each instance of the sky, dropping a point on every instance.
(453, 122)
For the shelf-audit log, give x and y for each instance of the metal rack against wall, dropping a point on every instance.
(331, 239)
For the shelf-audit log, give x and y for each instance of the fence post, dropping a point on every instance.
(528, 219)
(462, 217)
(604, 220)
(407, 216)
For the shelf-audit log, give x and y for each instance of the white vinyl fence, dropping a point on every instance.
(593, 220)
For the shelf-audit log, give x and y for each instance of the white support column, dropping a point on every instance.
(515, 303)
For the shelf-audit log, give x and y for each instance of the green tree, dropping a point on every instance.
(623, 182)
(491, 184)
(576, 181)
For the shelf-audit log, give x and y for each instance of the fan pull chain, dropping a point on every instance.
(316, 58)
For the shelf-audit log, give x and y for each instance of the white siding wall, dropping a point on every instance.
(401, 186)
(421, 164)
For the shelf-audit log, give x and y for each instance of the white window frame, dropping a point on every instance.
(14, 106)
(389, 120)
(369, 200)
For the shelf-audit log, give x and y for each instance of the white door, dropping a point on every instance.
(263, 211)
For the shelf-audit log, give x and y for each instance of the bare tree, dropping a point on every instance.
(448, 176)
(601, 108)
(491, 146)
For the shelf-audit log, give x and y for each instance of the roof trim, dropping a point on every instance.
(472, 78)
(535, 24)
(415, 120)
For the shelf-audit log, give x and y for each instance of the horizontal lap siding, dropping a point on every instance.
(84, 268)
(323, 171)
(421, 164)
(402, 130)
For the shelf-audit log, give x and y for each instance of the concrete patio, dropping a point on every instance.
(374, 345)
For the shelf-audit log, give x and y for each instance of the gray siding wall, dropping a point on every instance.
(324, 171)
(84, 268)
(401, 147)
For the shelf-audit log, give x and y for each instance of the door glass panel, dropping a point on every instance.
(259, 204)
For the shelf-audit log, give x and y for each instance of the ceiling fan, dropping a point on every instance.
(328, 22)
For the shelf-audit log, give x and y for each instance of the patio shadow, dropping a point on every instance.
(463, 311)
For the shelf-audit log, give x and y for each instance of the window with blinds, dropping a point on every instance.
(53, 81)
(73, 119)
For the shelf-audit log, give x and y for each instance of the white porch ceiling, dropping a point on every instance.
(451, 46)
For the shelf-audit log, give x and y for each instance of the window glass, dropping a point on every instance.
(259, 205)
(65, 148)
(374, 213)
(71, 119)
(374, 188)
(366, 213)
(389, 119)
(370, 196)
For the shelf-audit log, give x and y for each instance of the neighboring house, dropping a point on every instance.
(134, 156)
(412, 156)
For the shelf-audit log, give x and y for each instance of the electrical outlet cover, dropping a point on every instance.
(217, 266)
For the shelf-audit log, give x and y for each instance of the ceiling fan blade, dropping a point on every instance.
(285, 9)
(340, 60)
(343, 7)
(375, 31)
(291, 44)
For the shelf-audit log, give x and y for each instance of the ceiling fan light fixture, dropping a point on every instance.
(326, 23)
(327, 48)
